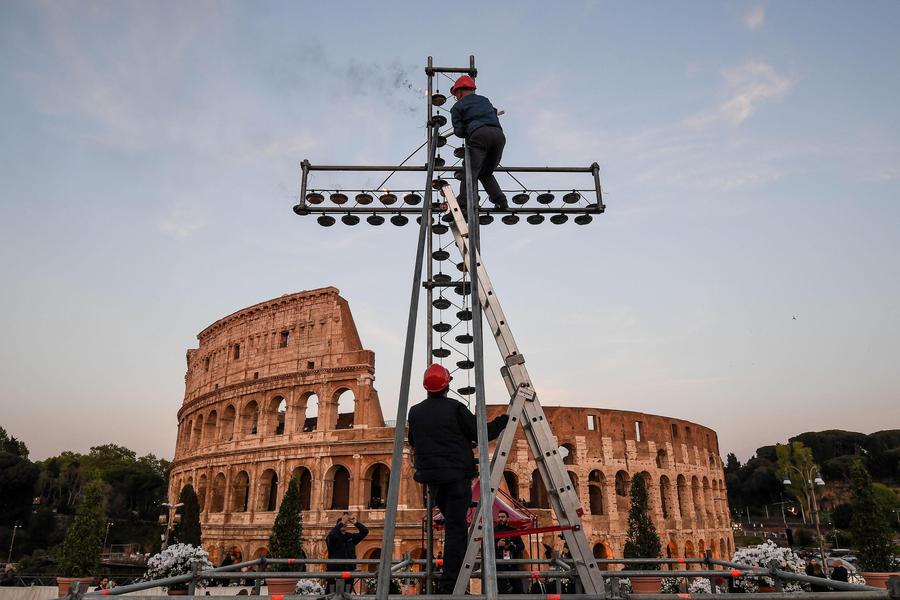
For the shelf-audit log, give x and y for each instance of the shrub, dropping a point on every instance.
(869, 526)
(641, 541)
(80, 555)
(286, 540)
(188, 530)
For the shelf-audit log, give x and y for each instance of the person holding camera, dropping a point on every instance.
(341, 543)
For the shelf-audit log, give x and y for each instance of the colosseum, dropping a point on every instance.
(284, 389)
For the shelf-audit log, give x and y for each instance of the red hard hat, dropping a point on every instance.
(463, 83)
(436, 378)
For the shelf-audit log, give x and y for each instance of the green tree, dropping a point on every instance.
(869, 526)
(641, 541)
(286, 540)
(80, 555)
(796, 463)
(18, 477)
(12, 445)
(732, 464)
(188, 530)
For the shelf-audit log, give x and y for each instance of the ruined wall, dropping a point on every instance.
(262, 395)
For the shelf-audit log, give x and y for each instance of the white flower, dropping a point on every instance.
(309, 587)
(175, 560)
(761, 556)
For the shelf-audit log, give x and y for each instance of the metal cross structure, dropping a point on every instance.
(477, 298)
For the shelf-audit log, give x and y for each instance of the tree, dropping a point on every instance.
(80, 556)
(18, 477)
(796, 463)
(732, 464)
(641, 541)
(188, 530)
(12, 445)
(869, 526)
(286, 540)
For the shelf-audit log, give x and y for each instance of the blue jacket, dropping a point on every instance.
(472, 112)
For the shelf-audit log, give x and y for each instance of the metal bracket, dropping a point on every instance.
(515, 359)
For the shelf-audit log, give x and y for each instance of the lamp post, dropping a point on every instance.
(809, 490)
(106, 536)
(170, 521)
(17, 525)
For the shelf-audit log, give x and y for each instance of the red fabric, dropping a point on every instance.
(519, 516)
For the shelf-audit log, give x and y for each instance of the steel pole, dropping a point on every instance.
(429, 292)
(815, 509)
(390, 522)
(488, 566)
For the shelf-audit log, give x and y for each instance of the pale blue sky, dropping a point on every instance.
(750, 152)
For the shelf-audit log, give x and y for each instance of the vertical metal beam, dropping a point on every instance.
(488, 564)
(429, 292)
(429, 539)
(304, 176)
(595, 171)
(390, 521)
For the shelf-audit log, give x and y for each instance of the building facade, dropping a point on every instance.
(284, 389)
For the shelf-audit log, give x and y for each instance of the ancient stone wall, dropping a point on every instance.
(284, 389)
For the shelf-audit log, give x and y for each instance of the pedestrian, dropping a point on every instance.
(814, 569)
(840, 572)
(341, 543)
(475, 119)
(442, 432)
(507, 548)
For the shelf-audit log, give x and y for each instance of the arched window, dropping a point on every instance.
(377, 478)
(574, 478)
(696, 497)
(689, 550)
(240, 492)
(250, 418)
(198, 432)
(512, 484)
(601, 550)
(664, 496)
(568, 452)
(623, 488)
(340, 488)
(346, 408)
(218, 493)
(268, 490)
(201, 491)
(684, 504)
(304, 483)
(311, 414)
(723, 555)
(538, 493)
(228, 418)
(277, 413)
(209, 435)
(662, 459)
(596, 481)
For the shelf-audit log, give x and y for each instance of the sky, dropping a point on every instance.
(745, 275)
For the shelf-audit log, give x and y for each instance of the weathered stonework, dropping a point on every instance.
(261, 405)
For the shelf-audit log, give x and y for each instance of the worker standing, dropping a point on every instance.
(442, 432)
(475, 119)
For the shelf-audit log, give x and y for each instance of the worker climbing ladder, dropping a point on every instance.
(524, 408)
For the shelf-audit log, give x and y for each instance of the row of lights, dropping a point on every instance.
(413, 199)
(401, 220)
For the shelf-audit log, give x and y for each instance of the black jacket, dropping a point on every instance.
(514, 544)
(442, 432)
(472, 112)
(343, 545)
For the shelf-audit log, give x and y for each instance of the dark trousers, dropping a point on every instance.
(453, 499)
(485, 151)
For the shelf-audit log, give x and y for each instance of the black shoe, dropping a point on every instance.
(501, 203)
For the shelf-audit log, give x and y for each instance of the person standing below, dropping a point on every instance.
(442, 432)
(342, 543)
(475, 119)
(506, 548)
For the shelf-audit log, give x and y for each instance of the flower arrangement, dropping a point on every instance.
(177, 559)
(761, 556)
(309, 587)
(696, 585)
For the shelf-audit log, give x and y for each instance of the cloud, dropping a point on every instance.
(755, 19)
(749, 85)
(176, 224)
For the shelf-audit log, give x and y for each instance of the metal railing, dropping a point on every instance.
(558, 575)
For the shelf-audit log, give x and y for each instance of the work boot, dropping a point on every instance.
(500, 203)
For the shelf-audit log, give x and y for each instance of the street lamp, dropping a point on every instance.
(106, 536)
(809, 490)
(170, 520)
(17, 525)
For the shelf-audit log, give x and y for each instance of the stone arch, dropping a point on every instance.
(571, 457)
(684, 506)
(227, 427)
(596, 492)
(671, 549)
(708, 503)
(310, 420)
(338, 483)
(697, 499)
(209, 432)
(665, 497)
(701, 548)
(574, 478)
(537, 492)
(371, 553)
(268, 491)
(197, 435)
(218, 493)
(189, 435)
(376, 481)
(201, 491)
(729, 547)
(722, 551)
(602, 550)
(304, 486)
(623, 488)
(240, 492)
(662, 459)
(345, 402)
(250, 418)
(511, 484)
(261, 551)
(689, 549)
(276, 413)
